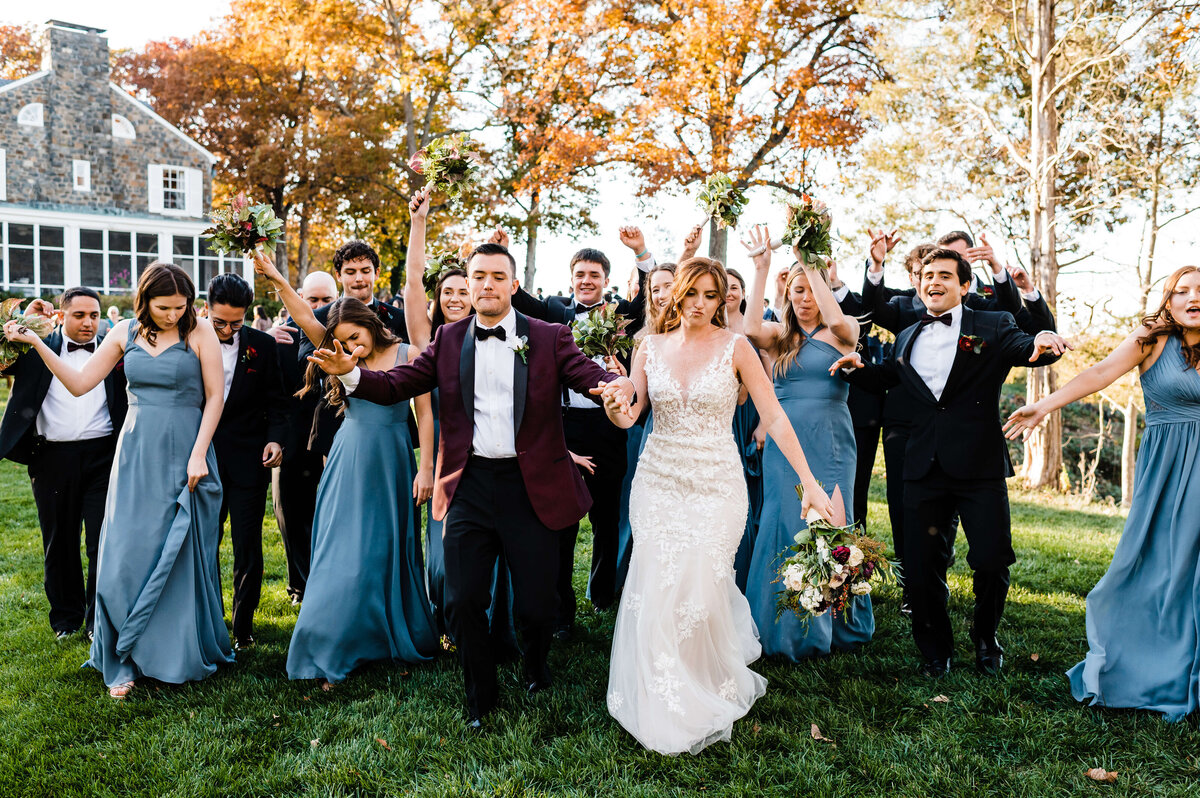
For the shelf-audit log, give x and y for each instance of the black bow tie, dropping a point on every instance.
(926, 320)
(231, 342)
(586, 308)
(89, 346)
(484, 333)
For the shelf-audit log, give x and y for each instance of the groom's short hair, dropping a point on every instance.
(956, 235)
(493, 249)
(941, 253)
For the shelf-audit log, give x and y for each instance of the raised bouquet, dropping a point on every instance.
(438, 265)
(10, 310)
(828, 567)
(808, 222)
(602, 333)
(450, 164)
(721, 200)
(243, 228)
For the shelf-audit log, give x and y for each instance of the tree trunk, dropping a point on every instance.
(1128, 450)
(302, 249)
(1043, 449)
(532, 222)
(718, 241)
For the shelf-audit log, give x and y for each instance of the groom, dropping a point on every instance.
(504, 479)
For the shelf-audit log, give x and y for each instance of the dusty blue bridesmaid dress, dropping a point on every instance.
(1143, 616)
(745, 421)
(365, 599)
(158, 598)
(815, 404)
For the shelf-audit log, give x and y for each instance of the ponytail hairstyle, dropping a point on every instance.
(344, 311)
(164, 279)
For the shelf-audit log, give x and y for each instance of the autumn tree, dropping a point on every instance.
(20, 52)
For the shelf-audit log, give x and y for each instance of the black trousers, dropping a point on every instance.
(70, 483)
(491, 515)
(294, 500)
(243, 502)
(867, 440)
(982, 506)
(589, 433)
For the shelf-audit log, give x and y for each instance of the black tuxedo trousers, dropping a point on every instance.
(243, 502)
(70, 484)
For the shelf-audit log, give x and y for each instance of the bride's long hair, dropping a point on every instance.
(686, 275)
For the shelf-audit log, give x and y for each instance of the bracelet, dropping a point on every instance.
(641, 254)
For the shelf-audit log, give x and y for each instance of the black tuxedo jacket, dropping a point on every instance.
(31, 381)
(895, 309)
(961, 430)
(255, 410)
(298, 412)
(866, 408)
(561, 310)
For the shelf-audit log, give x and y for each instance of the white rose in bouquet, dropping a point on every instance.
(793, 577)
(860, 588)
(856, 556)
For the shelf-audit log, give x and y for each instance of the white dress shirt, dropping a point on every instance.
(494, 434)
(934, 350)
(229, 353)
(66, 417)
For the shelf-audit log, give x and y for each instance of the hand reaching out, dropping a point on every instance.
(850, 361)
(282, 333)
(1047, 341)
(337, 361)
(1024, 420)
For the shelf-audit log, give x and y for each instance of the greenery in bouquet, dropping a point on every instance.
(10, 310)
(450, 164)
(721, 200)
(602, 333)
(438, 265)
(807, 229)
(243, 228)
(829, 566)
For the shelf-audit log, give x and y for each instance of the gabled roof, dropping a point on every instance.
(150, 112)
(12, 84)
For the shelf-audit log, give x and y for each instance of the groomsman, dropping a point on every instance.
(504, 481)
(294, 483)
(953, 363)
(248, 439)
(68, 444)
(588, 430)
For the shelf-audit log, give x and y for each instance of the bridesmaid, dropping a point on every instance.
(158, 599)
(1142, 616)
(452, 302)
(745, 422)
(365, 599)
(813, 335)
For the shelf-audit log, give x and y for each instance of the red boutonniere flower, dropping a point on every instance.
(250, 354)
(971, 343)
(987, 291)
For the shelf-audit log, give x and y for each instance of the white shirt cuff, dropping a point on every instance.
(646, 264)
(1000, 276)
(350, 380)
(1032, 296)
(840, 293)
(876, 278)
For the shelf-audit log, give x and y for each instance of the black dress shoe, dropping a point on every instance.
(563, 633)
(934, 668)
(475, 725)
(62, 634)
(989, 656)
(538, 686)
(243, 643)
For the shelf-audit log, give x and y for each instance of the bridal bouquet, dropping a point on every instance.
(243, 228)
(602, 333)
(10, 310)
(438, 265)
(808, 222)
(721, 200)
(450, 164)
(828, 567)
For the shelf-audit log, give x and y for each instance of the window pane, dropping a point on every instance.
(51, 236)
(143, 261)
(91, 269)
(91, 239)
(183, 245)
(208, 270)
(118, 242)
(119, 274)
(206, 249)
(20, 265)
(20, 234)
(52, 267)
(147, 243)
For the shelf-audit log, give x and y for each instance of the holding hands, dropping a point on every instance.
(618, 398)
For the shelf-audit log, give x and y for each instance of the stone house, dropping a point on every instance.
(94, 185)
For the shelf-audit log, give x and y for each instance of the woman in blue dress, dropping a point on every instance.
(1143, 616)
(813, 335)
(365, 599)
(158, 598)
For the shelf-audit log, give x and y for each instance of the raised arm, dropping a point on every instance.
(416, 318)
(843, 327)
(298, 309)
(77, 381)
(203, 340)
(764, 334)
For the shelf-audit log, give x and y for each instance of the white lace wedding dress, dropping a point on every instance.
(678, 677)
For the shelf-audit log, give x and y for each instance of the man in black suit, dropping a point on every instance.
(68, 444)
(294, 483)
(248, 439)
(953, 363)
(588, 430)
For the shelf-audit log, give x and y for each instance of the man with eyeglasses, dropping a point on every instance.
(249, 438)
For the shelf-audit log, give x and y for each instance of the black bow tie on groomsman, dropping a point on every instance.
(90, 346)
(232, 341)
(926, 320)
(586, 308)
(484, 333)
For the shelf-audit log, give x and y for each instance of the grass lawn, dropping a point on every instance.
(397, 730)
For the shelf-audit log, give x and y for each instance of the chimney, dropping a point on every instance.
(76, 53)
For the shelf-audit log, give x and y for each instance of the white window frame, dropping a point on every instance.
(122, 128)
(190, 188)
(36, 287)
(81, 175)
(3, 179)
(32, 115)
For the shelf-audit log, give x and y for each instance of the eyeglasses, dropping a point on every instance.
(220, 324)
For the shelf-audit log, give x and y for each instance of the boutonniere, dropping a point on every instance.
(971, 343)
(250, 354)
(520, 346)
(987, 291)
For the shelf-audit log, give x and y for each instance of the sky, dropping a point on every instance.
(666, 218)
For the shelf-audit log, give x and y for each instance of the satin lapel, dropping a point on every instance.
(520, 376)
(960, 364)
(905, 345)
(466, 371)
(239, 365)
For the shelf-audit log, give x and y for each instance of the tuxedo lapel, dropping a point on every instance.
(239, 365)
(520, 376)
(466, 371)
(904, 345)
(54, 342)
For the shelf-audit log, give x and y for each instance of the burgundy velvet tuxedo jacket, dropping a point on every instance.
(552, 360)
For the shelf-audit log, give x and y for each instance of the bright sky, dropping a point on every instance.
(664, 219)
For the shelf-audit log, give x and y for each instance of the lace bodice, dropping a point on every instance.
(702, 408)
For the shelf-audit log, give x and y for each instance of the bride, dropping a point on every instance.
(678, 677)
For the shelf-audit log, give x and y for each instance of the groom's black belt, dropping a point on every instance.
(490, 462)
(585, 412)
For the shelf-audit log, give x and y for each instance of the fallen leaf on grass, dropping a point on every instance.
(1102, 775)
(815, 731)
(384, 743)
(756, 729)
(314, 743)
(940, 699)
(1035, 657)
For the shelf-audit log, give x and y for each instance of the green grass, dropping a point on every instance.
(249, 731)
